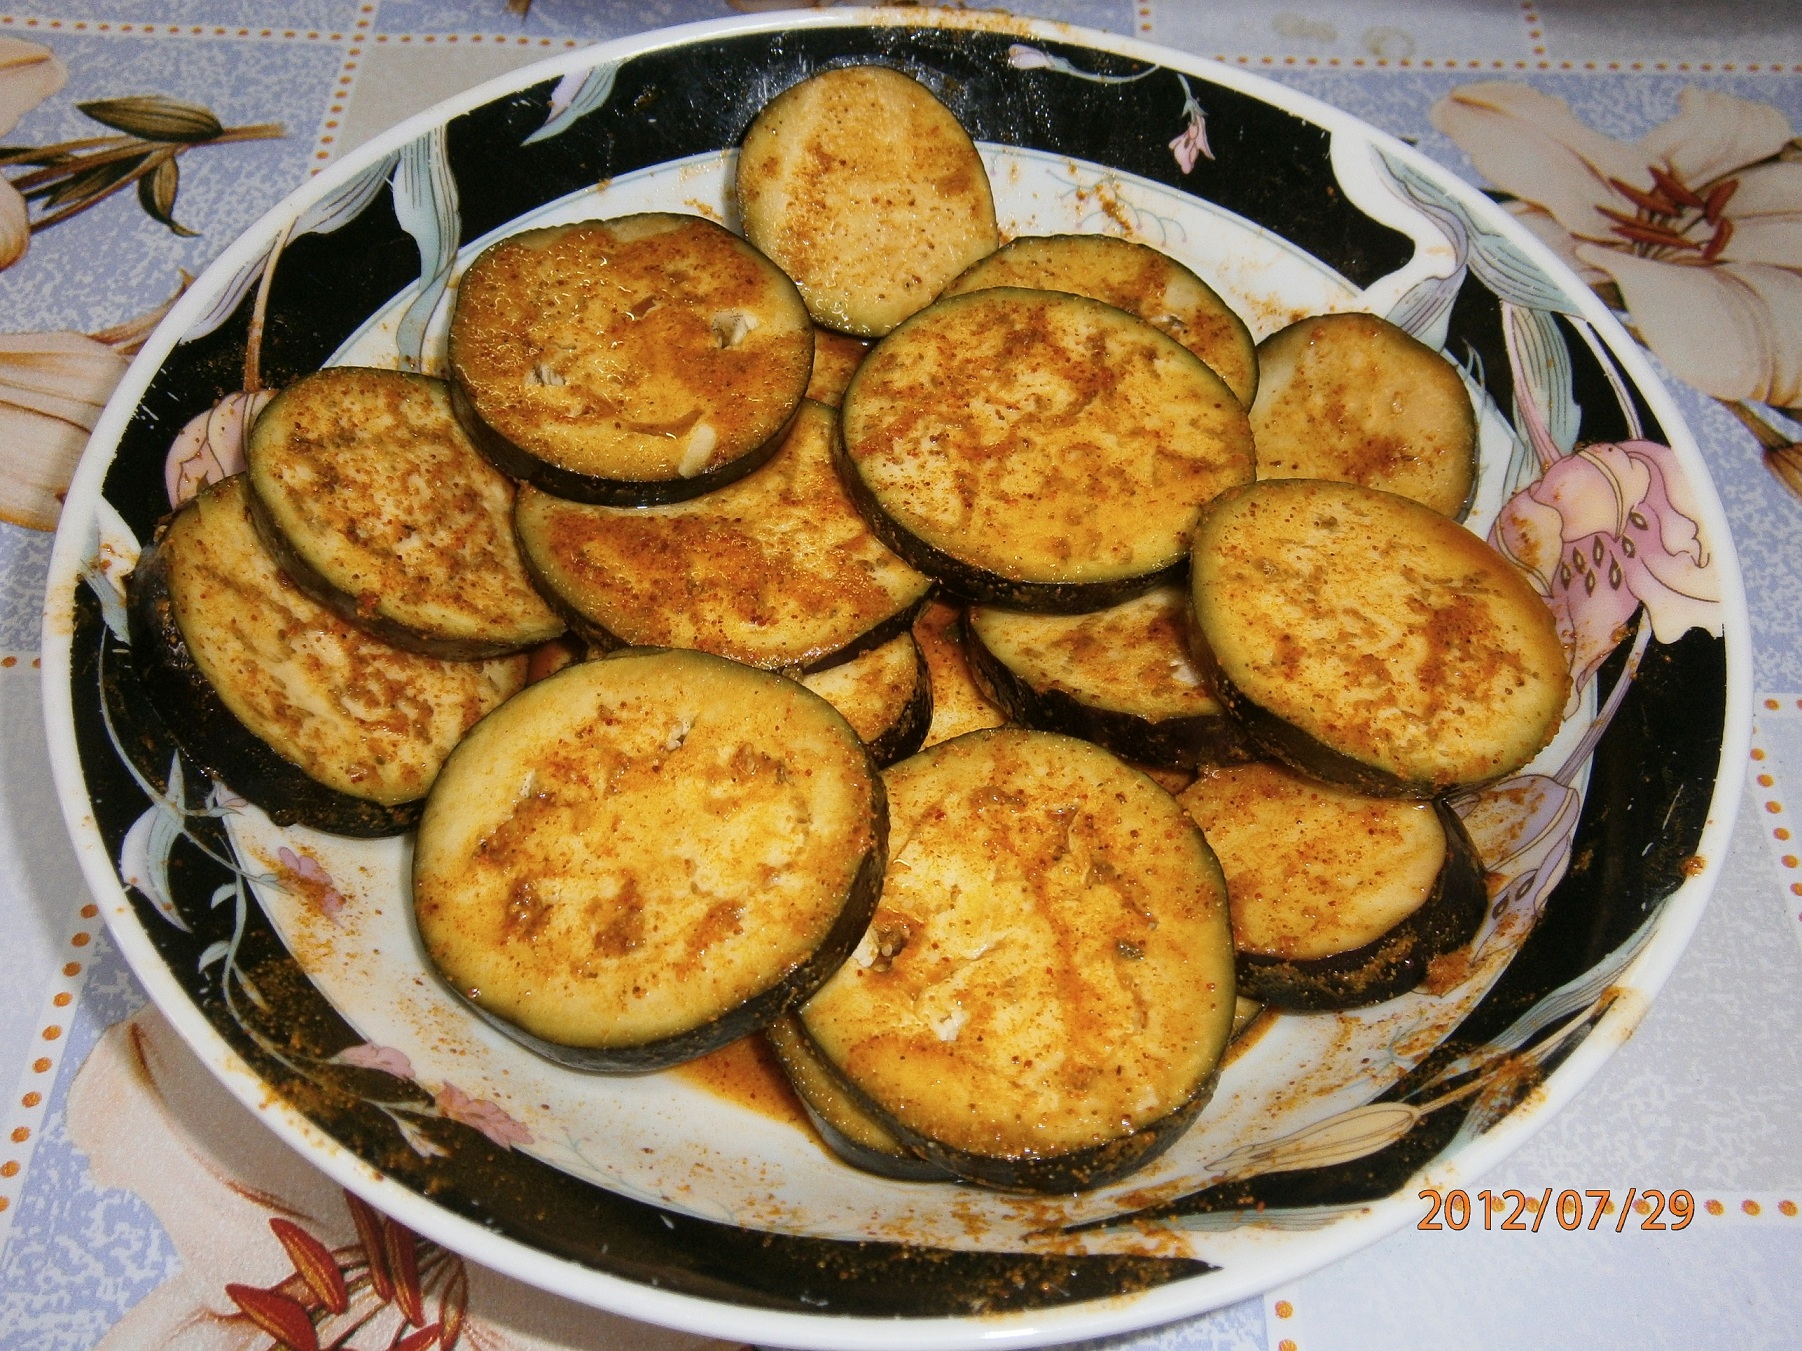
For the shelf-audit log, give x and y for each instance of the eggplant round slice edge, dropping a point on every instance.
(375, 502)
(866, 190)
(1339, 899)
(1369, 640)
(959, 702)
(312, 739)
(1120, 677)
(644, 857)
(849, 1131)
(1038, 449)
(1045, 991)
(885, 694)
(777, 570)
(1133, 277)
(645, 359)
(1354, 398)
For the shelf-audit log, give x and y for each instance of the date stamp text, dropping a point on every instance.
(1593, 1209)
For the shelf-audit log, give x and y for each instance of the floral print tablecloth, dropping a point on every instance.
(1654, 147)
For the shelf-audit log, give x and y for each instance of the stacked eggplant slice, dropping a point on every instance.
(320, 631)
(998, 668)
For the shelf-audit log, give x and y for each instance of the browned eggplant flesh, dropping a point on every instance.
(313, 719)
(1339, 899)
(1046, 988)
(727, 865)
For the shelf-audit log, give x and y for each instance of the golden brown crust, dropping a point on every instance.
(1049, 971)
(1131, 277)
(836, 358)
(1133, 656)
(1353, 398)
(353, 712)
(370, 481)
(864, 188)
(1121, 677)
(959, 703)
(777, 570)
(651, 348)
(1041, 439)
(1378, 630)
(638, 846)
(1314, 869)
(885, 694)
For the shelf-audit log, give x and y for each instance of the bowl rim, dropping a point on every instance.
(1300, 1252)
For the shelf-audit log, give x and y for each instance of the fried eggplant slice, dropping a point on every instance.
(1038, 449)
(836, 358)
(646, 359)
(1047, 986)
(375, 502)
(848, 1130)
(1368, 640)
(959, 702)
(1121, 677)
(1132, 277)
(644, 857)
(885, 694)
(777, 570)
(1339, 899)
(864, 188)
(315, 720)
(1351, 397)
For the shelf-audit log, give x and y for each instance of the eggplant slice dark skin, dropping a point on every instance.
(979, 584)
(645, 359)
(1286, 742)
(591, 488)
(207, 597)
(867, 191)
(1368, 640)
(754, 1015)
(225, 748)
(1339, 898)
(893, 730)
(1116, 709)
(1133, 277)
(1046, 989)
(374, 502)
(959, 702)
(345, 606)
(590, 936)
(1393, 964)
(1077, 1171)
(1037, 449)
(1352, 397)
(778, 570)
(848, 1130)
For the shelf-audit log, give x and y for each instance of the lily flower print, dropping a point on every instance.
(53, 387)
(29, 74)
(480, 1114)
(211, 446)
(1696, 227)
(269, 1252)
(371, 1056)
(1607, 529)
(1192, 143)
(305, 875)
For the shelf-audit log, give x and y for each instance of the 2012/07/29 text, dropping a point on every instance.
(1523, 1213)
